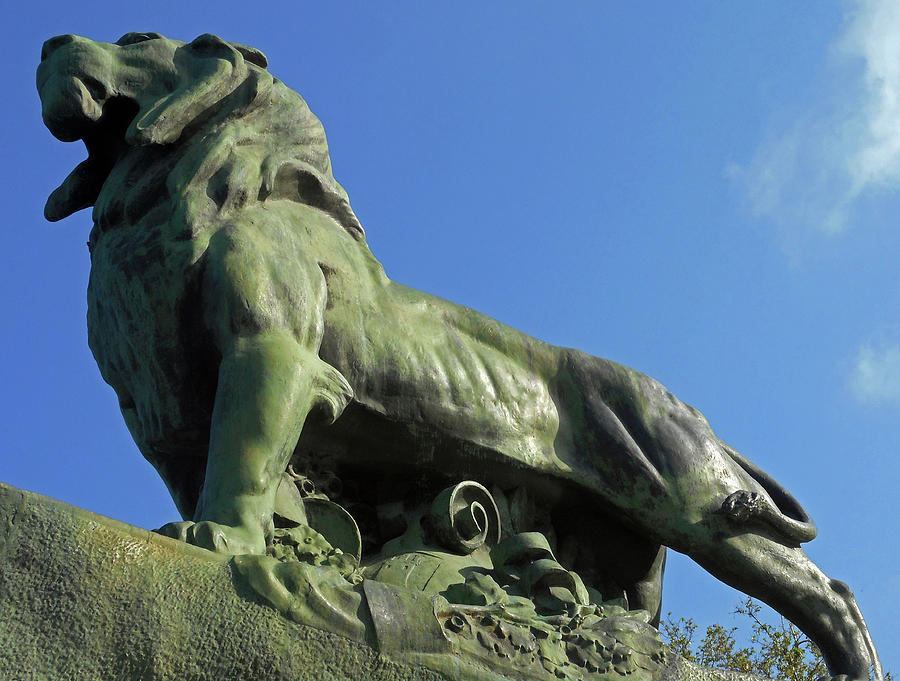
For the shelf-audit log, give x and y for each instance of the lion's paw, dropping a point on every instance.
(235, 541)
(176, 530)
(742, 505)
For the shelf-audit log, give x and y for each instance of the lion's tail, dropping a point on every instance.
(789, 520)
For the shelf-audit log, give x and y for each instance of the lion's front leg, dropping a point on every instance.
(263, 396)
(263, 301)
(267, 386)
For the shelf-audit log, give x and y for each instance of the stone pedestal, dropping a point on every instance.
(86, 597)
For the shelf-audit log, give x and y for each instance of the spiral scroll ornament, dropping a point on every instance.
(464, 517)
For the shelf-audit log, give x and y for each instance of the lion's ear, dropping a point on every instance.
(252, 55)
(209, 70)
(213, 45)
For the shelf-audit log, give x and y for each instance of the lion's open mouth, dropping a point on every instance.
(104, 140)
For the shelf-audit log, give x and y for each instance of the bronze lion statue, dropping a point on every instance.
(241, 319)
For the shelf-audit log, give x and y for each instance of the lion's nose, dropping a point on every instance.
(55, 43)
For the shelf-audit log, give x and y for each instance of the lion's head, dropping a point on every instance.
(204, 121)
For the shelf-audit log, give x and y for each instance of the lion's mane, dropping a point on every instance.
(221, 142)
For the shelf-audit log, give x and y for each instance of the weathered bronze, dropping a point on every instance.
(246, 328)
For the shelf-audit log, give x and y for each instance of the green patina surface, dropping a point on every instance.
(84, 597)
(246, 327)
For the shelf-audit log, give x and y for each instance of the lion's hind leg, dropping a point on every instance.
(636, 569)
(657, 462)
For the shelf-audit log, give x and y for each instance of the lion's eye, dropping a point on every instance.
(133, 38)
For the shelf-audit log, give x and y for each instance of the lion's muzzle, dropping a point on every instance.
(70, 102)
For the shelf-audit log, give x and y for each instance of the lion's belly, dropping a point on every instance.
(144, 330)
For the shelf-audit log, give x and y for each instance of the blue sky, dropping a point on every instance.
(704, 191)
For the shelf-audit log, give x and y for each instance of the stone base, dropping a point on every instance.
(86, 597)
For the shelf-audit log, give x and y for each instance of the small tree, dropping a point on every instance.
(778, 652)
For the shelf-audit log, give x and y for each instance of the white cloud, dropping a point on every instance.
(813, 170)
(874, 35)
(876, 374)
